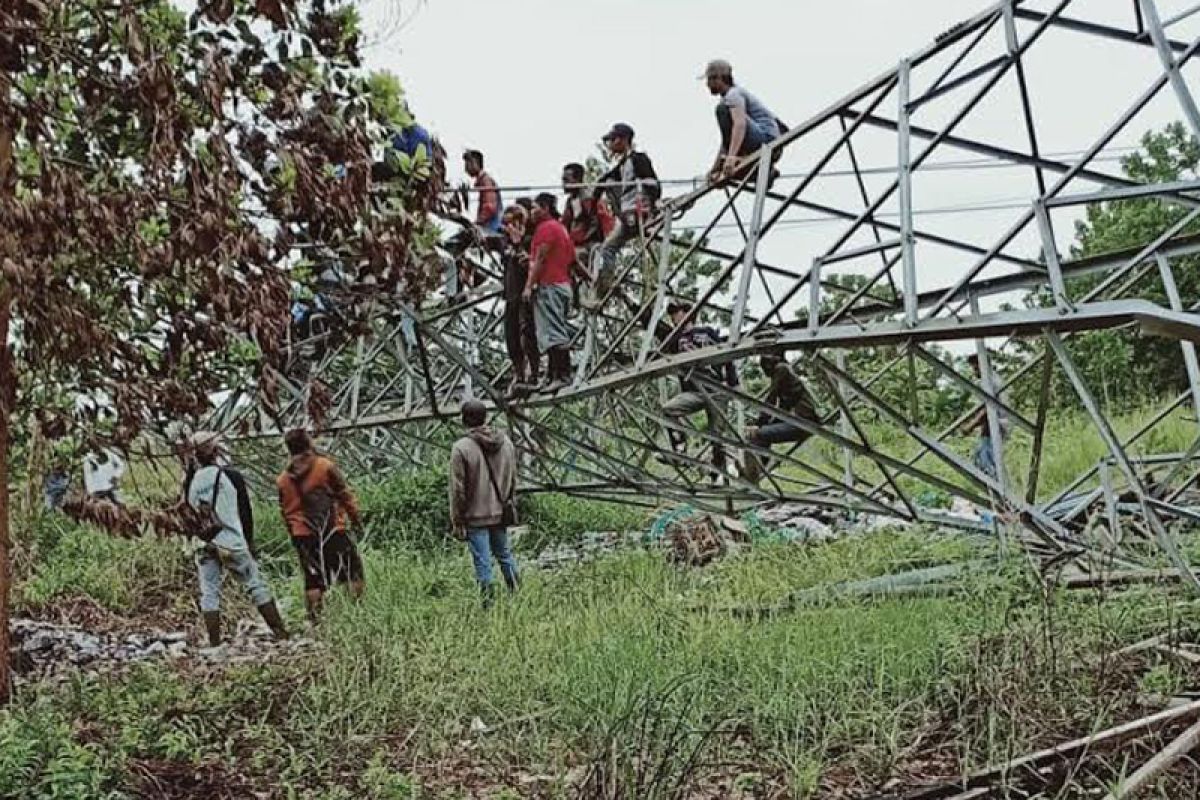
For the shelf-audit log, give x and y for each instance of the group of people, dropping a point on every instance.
(558, 261)
(322, 518)
(319, 511)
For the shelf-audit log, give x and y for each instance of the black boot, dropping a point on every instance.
(212, 624)
(488, 591)
(270, 615)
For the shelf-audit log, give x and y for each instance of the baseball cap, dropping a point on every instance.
(619, 129)
(718, 66)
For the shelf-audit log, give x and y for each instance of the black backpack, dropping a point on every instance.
(245, 509)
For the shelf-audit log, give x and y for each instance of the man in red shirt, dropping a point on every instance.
(549, 284)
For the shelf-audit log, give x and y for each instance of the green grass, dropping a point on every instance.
(595, 670)
(569, 667)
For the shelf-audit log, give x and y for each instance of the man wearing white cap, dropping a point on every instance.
(746, 123)
(220, 542)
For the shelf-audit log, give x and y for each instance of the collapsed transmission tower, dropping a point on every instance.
(810, 208)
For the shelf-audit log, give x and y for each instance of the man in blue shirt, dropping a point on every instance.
(746, 123)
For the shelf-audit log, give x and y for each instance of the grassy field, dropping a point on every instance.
(626, 677)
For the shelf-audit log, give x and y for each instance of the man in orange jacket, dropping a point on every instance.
(316, 501)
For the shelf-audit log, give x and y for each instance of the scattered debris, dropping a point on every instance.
(699, 540)
(46, 650)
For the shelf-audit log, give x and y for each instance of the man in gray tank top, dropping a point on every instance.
(746, 123)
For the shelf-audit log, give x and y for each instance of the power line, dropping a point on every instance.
(965, 165)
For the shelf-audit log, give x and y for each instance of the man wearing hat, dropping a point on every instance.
(220, 543)
(483, 481)
(635, 191)
(746, 123)
(548, 285)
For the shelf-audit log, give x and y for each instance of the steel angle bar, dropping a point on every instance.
(973, 388)
(967, 77)
(880, 458)
(646, 478)
(808, 497)
(1096, 29)
(847, 416)
(1183, 94)
(1011, 40)
(1012, 156)
(1051, 532)
(987, 380)
(1087, 157)
(1131, 440)
(846, 308)
(904, 167)
(1167, 275)
(1166, 541)
(1180, 17)
(756, 230)
(1039, 431)
(1168, 191)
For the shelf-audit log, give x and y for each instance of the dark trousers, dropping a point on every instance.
(520, 332)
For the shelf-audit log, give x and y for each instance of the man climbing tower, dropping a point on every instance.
(694, 396)
(219, 540)
(635, 198)
(549, 285)
(316, 501)
(483, 481)
(746, 124)
(787, 393)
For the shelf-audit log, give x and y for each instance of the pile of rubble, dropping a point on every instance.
(46, 650)
(589, 548)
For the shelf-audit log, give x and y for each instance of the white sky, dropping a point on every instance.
(534, 83)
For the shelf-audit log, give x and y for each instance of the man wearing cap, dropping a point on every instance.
(695, 396)
(220, 541)
(483, 481)
(549, 286)
(746, 123)
(316, 501)
(636, 193)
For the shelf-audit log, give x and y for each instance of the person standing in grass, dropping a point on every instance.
(483, 483)
(220, 541)
(316, 502)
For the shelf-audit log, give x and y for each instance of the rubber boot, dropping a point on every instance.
(488, 592)
(270, 615)
(212, 624)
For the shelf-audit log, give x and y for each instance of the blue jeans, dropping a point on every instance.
(484, 543)
(755, 136)
(984, 458)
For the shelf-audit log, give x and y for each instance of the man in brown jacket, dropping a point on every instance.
(316, 502)
(483, 480)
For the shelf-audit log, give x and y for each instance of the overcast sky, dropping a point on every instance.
(534, 83)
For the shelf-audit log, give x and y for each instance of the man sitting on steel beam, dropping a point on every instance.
(746, 123)
(787, 393)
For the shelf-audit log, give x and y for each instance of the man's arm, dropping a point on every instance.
(458, 488)
(343, 495)
(535, 267)
(737, 110)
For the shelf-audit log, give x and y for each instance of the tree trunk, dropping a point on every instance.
(7, 393)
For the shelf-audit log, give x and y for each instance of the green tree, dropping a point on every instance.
(1123, 366)
(155, 174)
